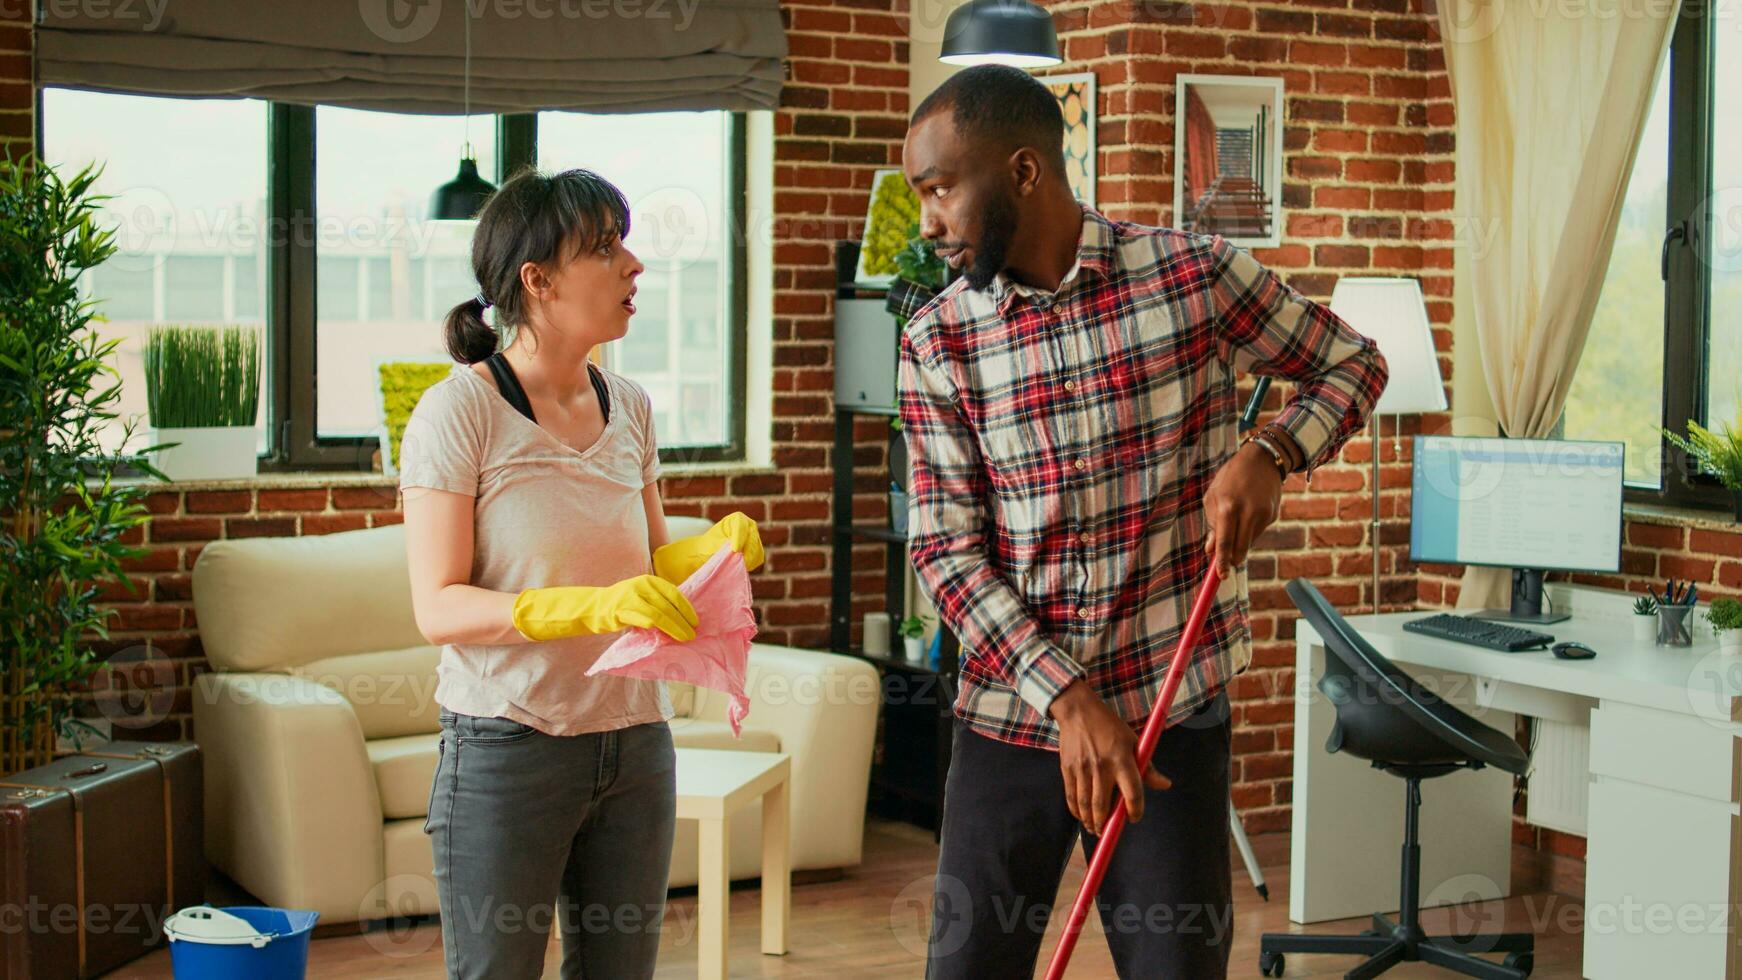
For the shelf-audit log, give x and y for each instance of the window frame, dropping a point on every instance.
(294, 444)
(1687, 286)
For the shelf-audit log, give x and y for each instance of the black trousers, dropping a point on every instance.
(1166, 903)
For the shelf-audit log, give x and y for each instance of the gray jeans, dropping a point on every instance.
(528, 827)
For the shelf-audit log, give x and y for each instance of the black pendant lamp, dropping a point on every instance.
(463, 197)
(1000, 32)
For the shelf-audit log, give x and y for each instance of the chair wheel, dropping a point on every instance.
(1521, 961)
(1270, 964)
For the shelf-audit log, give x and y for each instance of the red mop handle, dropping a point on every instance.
(1145, 751)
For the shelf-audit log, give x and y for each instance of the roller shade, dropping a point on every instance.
(408, 55)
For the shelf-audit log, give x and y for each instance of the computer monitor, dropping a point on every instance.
(1534, 505)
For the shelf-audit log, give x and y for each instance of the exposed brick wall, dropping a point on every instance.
(1367, 187)
(844, 112)
(17, 93)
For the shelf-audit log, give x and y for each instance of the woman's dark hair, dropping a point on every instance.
(531, 218)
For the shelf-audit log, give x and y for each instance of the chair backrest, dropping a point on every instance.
(1384, 714)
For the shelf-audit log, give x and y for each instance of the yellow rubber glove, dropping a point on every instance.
(574, 610)
(676, 561)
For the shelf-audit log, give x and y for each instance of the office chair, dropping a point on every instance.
(1385, 717)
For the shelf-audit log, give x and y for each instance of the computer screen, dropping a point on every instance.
(1525, 503)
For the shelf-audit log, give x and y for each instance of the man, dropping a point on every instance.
(1070, 413)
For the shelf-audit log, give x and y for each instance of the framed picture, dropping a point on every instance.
(1227, 151)
(1076, 95)
(892, 211)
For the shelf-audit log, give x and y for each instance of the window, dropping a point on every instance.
(187, 181)
(678, 228)
(1666, 342)
(313, 222)
(1724, 291)
(374, 172)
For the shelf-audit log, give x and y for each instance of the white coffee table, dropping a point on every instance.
(712, 784)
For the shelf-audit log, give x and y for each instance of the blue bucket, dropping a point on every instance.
(275, 949)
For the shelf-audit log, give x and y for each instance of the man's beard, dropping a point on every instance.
(997, 227)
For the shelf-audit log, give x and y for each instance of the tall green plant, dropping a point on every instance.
(62, 519)
(202, 376)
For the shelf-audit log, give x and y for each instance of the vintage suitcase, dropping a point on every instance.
(96, 850)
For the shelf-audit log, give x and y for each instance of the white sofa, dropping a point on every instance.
(318, 728)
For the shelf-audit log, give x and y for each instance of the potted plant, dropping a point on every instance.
(202, 389)
(913, 636)
(1645, 619)
(1716, 454)
(919, 275)
(62, 518)
(1725, 617)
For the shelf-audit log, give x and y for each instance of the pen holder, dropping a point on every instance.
(1673, 626)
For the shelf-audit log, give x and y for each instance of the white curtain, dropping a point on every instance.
(1550, 101)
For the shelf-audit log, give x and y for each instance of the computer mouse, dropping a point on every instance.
(1573, 650)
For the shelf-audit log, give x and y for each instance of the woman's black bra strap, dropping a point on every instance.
(509, 385)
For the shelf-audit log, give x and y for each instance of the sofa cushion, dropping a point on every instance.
(694, 733)
(267, 604)
(392, 691)
(404, 773)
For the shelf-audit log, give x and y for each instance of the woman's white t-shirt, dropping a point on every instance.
(546, 514)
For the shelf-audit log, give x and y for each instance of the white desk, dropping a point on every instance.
(1662, 727)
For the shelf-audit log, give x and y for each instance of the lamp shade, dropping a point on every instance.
(1000, 32)
(1391, 311)
(463, 197)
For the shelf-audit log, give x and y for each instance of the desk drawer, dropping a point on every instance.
(1680, 753)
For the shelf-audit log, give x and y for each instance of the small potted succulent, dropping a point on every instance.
(913, 635)
(1725, 617)
(1645, 619)
(1717, 454)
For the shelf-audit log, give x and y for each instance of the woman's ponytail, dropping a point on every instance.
(469, 338)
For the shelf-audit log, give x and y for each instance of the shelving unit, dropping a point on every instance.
(913, 750)
(913, 745)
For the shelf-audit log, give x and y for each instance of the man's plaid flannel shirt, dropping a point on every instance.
(1061, 445)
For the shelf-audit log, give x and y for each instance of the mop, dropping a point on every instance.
(1145, 750)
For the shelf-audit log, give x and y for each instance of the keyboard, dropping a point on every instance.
(1478, 632)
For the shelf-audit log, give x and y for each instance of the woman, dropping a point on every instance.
(535, 533)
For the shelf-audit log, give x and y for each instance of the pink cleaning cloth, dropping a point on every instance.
(716, 658)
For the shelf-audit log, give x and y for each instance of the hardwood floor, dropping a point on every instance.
(871, 923)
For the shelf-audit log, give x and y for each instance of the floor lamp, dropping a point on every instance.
(1391, 311)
